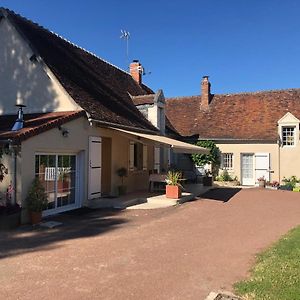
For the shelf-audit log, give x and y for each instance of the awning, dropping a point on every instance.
(177, 146)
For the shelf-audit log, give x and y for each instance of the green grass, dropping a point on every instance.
(276, 274)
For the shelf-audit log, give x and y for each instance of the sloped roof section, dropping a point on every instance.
(100, 88)
(245, 116)
(143, 99)
(34, 124)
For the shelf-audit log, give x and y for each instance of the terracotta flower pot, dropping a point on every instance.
(35, 217)
(173, 191)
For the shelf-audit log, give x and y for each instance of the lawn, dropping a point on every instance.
(276, 275)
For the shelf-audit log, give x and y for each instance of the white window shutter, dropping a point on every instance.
(145, 157)
(131, 156)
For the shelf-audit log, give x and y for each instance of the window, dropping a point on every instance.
(288, 135)
(57, 173)
(227, 160)
(138, 156)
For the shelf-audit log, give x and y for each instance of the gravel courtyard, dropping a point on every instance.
(181, 252)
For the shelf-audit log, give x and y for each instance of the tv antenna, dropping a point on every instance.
(125, 35)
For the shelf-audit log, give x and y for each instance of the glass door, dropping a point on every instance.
(58, 175)
(247, 169)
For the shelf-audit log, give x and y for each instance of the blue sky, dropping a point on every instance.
(243, 45)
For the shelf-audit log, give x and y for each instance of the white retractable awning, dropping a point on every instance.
(177, 146)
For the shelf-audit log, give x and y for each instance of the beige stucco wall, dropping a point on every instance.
(290, 161)
(30, 82)
(52, 141)
(238, 149)
(284, 161)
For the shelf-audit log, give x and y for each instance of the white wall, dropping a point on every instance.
(25, 80)
(77, 141)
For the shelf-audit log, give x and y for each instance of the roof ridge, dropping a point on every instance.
(259, 92)
(182, 97)
(238, 94)
(66, 40)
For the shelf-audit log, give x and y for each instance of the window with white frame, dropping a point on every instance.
(227, 161)
(288, 135)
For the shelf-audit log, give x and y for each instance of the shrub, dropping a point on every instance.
(225, 176)
(37, 198)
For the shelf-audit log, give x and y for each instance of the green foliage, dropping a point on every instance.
(37, 198)
(174, 178)
(291, 181)
(225, 176)
(212, 158)
(277, 272)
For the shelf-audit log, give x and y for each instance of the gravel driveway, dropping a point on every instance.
(181, 252)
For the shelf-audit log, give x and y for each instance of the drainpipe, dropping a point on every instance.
(15, 175)
(279, 152)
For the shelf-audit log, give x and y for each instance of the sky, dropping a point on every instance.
(243, 45)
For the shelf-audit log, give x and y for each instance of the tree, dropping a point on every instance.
(212, 158)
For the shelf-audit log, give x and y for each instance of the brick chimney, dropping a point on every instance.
(136, 71)
(205, 92)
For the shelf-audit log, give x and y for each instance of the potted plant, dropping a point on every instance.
(261, 182)
(207, 179)
(122, 172)
(173, 187)
(36, 201)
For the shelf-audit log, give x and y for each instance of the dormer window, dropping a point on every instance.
(288, 130)
(288, 135)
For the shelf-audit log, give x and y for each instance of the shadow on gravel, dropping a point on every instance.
(76, 224)
(221, 194)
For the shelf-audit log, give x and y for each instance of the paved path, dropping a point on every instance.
(173, 253)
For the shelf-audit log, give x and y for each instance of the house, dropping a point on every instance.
(257, 133)
(69, 118)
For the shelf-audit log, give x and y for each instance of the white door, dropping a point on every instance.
(262, 166)
(247, 169)
(95, 148)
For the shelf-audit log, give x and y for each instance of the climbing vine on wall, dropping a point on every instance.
(212, 158)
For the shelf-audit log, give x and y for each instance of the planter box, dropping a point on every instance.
(173, 191)
(272, 187)
(10, 221)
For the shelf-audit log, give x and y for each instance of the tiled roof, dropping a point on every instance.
(100, 88)
(245, 116)
(143, 99)
(34, 124)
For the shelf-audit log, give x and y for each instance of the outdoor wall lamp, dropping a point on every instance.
(64, 131)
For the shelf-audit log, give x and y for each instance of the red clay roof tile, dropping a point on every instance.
(245, 116)
(34, 124)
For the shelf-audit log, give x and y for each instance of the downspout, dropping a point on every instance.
(279, 160)
(15, 175)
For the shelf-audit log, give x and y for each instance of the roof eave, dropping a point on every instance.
(115, 125)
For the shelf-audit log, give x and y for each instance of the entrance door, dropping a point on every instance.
(58, 174)
(262, 166)
(95, 147)
(247, 169)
